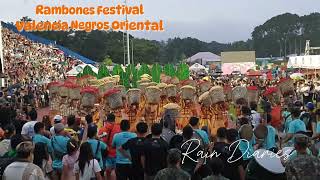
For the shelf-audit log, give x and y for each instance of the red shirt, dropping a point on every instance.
(112, 129)
(276, 116)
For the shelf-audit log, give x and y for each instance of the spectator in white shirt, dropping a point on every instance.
(87, 167)
(255, 116)
(57, 119)
(23, 168)
(28, 128)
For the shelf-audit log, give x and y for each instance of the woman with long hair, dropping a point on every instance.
(43, 160)
(87, 168)
(69, 160)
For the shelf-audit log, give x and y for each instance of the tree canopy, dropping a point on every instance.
(281, 35)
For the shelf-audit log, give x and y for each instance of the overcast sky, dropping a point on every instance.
(207, 20)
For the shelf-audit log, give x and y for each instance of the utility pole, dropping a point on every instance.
(280, 47)
(132, 51)
(295, 45)
(285, 47)
(126, 43)
(128, 38)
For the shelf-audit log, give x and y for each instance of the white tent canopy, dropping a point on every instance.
(309, 62)
(197, 67)
(78, 69)
(204, 58)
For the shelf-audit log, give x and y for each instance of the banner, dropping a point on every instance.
(228, 68)
(307, 62)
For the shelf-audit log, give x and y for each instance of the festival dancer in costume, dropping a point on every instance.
(113, 99)
(151, 109)
(219, 114)
(88, 99)
(188, 104)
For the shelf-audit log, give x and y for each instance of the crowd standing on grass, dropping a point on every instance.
(75, 148)
(113, 152)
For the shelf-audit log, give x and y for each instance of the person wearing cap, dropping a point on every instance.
(110, 128)
(57, 119)
(295, 126)
(59, 146)
(9, 131)
(303, 165)
(173, 171)
(28, 128)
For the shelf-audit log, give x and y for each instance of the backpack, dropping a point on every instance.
(4, 163)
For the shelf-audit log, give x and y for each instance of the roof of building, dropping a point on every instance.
(204, 57)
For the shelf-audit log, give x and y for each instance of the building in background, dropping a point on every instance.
(238, 61)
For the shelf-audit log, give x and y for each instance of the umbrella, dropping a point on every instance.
(297, 76)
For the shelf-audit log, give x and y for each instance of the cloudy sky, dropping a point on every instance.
(207, 20)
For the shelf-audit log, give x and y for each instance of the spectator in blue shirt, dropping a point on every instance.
(39, 137)
(247, 141)
(98, 147)
(295, 126)
(59, 146)
(194, 123)
(270, 141)
(123, 164)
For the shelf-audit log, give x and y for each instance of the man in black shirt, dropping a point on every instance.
(154, 156)
(190, 147)
(229, 154)
(135, 146)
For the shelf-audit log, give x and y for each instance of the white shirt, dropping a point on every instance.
(20, 170)
(28, 129)
(52, 132)
(256, 118)
(89, 170)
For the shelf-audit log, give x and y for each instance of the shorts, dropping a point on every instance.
(111, 163)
